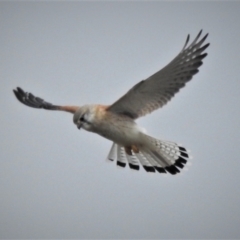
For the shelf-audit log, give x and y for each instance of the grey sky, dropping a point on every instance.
(54, 180)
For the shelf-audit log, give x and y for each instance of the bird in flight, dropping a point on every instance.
(116, 122)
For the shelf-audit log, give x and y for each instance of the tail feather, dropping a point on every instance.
(146, 162)
(118, 153)
(160, 161)
(133, 162)
(113, 153)
(154, 162)
(160, 156)
(121, 157)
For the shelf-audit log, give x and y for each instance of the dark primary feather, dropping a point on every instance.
(30, 100)
(154, 92)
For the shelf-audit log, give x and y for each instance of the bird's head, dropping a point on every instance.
(83, 117)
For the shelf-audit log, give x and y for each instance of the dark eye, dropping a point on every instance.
(82, 119)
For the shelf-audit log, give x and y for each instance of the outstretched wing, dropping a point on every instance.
(154, 92)
(30, 100)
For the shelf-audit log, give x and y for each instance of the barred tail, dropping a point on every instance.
(160, 156)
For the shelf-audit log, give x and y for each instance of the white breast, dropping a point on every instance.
(121, 130)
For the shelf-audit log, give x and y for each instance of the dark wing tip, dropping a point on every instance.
(23, 97)
(195, 41)
(200, 32)
(186, 43)
(30, 100)
(204, 38)
(15, 92)
(19, 93)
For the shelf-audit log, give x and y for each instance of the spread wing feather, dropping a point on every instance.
(30, 100)
(154, 92)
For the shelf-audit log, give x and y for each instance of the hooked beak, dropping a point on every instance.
(79, 125)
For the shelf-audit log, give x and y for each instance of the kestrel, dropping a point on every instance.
(116, 122)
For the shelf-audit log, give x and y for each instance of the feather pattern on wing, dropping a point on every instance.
(154, 92)
(30, 100)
